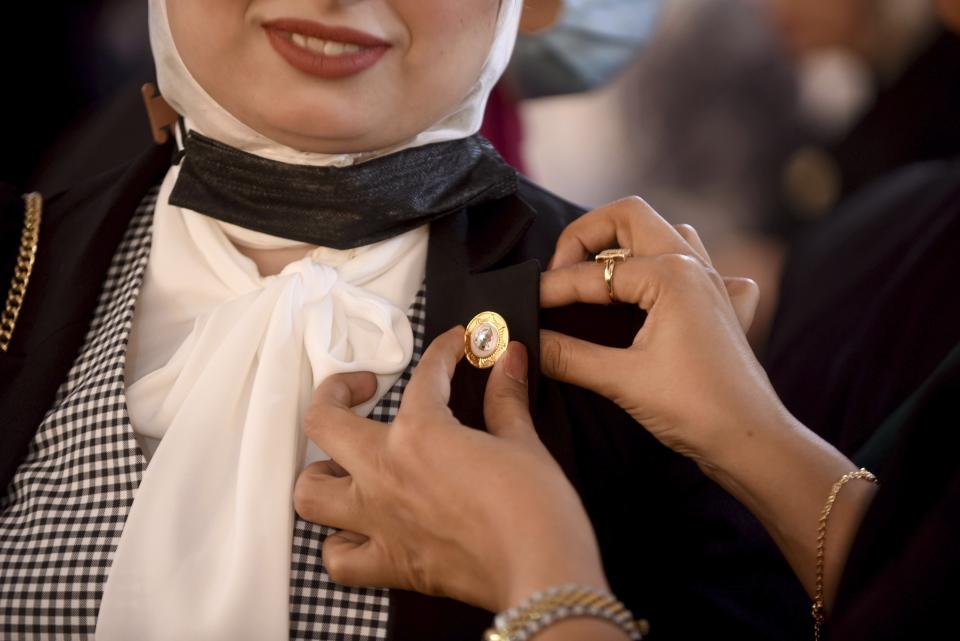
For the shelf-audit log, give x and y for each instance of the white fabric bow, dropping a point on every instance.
(205, 552)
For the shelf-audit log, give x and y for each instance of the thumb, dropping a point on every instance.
(506, 408)
(579, 362)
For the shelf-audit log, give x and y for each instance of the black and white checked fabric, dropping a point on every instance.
(320, 609)
(62, 515)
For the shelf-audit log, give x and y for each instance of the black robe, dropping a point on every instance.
(870, 304)
(900, 581)
(866, 351)
(677, 550)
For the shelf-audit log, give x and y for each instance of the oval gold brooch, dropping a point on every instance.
(486, 339)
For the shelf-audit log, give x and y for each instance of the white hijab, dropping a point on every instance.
(188, 98)
(221, 365)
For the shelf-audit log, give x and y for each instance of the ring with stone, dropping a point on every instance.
(610, 258)
(486, 339)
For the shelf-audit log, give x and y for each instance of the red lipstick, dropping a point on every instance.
(324, 51)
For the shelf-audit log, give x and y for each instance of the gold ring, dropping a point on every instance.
(610, 258)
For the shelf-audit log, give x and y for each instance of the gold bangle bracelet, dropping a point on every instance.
(817, 609)
(543, 609)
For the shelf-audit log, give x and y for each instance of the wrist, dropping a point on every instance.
(746, 440)
(548, 543)
(522, 585)
(783, 472)
(568, 606)
(769, 452)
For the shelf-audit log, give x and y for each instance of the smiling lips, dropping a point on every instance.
(322, 51)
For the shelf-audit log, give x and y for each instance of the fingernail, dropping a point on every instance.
(516, 365)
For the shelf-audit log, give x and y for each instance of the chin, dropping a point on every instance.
(321, 130)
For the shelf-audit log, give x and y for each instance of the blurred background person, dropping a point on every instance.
(752, 119)
(565, 47)
(698, 126)
(878, 90)
(863, 318)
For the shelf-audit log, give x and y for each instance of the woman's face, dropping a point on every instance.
(288, 69)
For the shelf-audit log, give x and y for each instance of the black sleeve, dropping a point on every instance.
(868, 307)
(900, 579)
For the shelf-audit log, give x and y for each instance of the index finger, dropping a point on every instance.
(331, 423)
(630, 223)
(429, 387)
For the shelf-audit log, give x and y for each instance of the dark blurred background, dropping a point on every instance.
(64, 62)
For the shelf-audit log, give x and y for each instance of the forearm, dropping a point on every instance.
(783, 473)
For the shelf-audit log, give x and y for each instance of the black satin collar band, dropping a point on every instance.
(340, 207)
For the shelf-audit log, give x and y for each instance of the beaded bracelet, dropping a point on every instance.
(817, 609)
(561, 602)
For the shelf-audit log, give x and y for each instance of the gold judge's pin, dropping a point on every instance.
(486, 339)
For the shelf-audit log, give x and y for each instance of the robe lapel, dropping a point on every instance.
(79, 234)
(476, 262)
(464, 278)
(468, 272)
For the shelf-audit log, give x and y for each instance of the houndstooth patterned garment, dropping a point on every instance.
(62, 515)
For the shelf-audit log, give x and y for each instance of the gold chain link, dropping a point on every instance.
(29, 241)
(817, 610)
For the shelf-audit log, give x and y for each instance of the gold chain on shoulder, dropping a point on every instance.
(29, 240)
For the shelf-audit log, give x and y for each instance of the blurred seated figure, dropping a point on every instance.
(878, 91)
(585, 46)
(895, 232)
(748, 148)
(711, 115)
(565, 46)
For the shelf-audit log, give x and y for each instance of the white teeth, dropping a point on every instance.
(333, 48)
(325, 47)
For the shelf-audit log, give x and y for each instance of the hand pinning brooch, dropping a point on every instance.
(486, 339)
